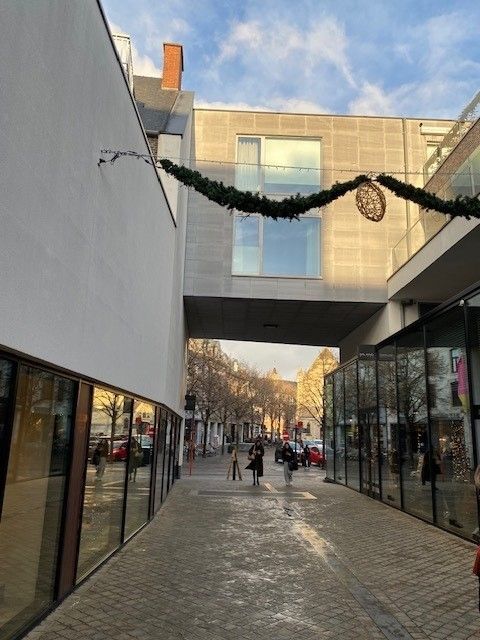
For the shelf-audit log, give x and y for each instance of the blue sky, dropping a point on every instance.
(410, 58)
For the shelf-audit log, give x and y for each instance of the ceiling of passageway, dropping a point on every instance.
(287, 321)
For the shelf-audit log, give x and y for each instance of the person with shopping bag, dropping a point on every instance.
(255, 455)
(289, 463)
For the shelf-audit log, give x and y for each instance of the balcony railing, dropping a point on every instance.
(464, 121)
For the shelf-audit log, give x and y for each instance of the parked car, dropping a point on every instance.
(120, 451)
(316, 452)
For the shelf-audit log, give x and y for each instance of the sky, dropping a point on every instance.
(376, 57)
(413, 58)
(286, 358)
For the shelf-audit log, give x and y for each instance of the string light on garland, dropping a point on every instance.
(369, 198)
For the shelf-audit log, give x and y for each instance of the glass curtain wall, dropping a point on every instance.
(328, 426)
(352, 440)
(389, 430)
(418, 464)
(367, 418)
(101, 531)
(339, 425)
(451, 432)
(34, 492)
(139, 466)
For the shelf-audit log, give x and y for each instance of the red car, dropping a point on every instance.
(120, 450)
(316, 454)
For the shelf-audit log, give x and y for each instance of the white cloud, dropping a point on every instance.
(277, 50)
(372, 100)
(155, 33)
(142, 65)
(290, 105)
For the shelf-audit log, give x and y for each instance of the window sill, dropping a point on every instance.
(249, 275)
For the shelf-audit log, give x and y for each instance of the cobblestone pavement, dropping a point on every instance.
(227, 560)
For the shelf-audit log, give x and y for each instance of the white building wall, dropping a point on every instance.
(89, 260)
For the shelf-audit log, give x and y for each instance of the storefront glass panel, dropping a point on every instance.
(328, 425)
(168, 455)
(139, 466)
(105, 479)
(367, 419)
(34, 493)
(352, 442)
(452, 446)
(160, 475)
(412, 408)
(339, 417)
(389, 431)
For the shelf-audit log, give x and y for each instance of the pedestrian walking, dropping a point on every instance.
(306, 456)
(255, 455)
(134, 459)
(99, 458)
(289, 462)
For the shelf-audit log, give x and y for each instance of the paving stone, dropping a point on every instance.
(226, 561)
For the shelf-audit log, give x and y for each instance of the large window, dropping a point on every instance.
(339, 425)
(418, 461)
(34, 493)
(389, 431)
(452, 446)
(278, 167)
(328, 426)
(352, 436)
(105, 478)
(139, 466)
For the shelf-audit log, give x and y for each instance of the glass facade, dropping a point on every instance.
(339, 425)
(413, 416)
(105, 479)
(118, 462)
(140, 460)
(352, 434)
(34, 492)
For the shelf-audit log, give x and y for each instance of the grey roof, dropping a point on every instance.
(154, 103)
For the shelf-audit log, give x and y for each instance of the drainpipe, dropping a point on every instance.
(406, 172)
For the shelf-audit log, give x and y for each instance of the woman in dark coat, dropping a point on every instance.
(255, 455)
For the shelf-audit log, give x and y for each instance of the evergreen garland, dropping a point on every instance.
(248, 202)
(292, 207)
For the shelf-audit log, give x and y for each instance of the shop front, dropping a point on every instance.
(82, 468)
(402, 420)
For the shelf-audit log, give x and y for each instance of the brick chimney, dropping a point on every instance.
(172, 66)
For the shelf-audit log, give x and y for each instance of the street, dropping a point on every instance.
(227, 560)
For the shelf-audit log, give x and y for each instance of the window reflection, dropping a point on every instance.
(367, 418)
(105, 478)
(139, 466)
(34, 492)
(339, 411)
(389, 432)
(328, 425)
(415, 449)
(450, 422)
(159, 478)
(352, 444)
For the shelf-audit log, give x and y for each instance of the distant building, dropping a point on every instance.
(310, 393)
